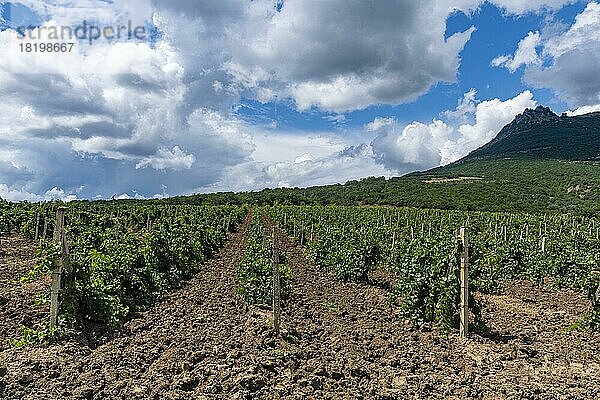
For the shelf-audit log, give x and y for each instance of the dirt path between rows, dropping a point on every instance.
(339, 341)
(185, 343)
(354, 344)
(17, 301)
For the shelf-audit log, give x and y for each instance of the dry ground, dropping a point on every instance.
(339, 341)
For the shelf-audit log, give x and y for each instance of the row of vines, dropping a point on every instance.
(122, 257)
(255, 271)
(422, 249)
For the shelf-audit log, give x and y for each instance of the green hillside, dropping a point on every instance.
(538, 163)
(489, 185)
(540, 133)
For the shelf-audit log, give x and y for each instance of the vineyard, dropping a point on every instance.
(422, 249)
(191, 294)
(119, 259)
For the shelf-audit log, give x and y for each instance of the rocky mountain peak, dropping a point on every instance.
(539, 114)
(540, 133)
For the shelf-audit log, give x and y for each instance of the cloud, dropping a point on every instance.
(466, 106)
(380, 123)
(104, 117)
(175, 159)
(303, 171)
(417, 146)
(584, 110)
(526, 54)
(394, 150)
(348, 65)
(519, 7)
(490, 117)
(566, 61)
(420, 146)
(10, 194)
(286, 146)
(351, 64)
(157, 117)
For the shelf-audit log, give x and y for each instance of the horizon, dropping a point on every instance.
(239, 96)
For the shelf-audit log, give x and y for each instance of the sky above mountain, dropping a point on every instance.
(242, 95)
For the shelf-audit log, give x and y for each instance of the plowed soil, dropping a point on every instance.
(338, 341)
(17, 300)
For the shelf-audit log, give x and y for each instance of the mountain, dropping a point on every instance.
(539, 163)
(541, 134)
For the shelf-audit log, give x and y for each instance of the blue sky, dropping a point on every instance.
(475, 71)
(239, 95)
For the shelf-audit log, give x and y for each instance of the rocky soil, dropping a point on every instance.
(17, 300)
(338, 341)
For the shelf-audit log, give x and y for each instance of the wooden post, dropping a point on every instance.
(60, 239)
(276, 284)
(45, 227)
(544, 245)
(37, 226)
(393, 240)
(464, 283)
(597, 297)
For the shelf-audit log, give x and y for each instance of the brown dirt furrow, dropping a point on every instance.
(353, 344)
(338, 341)
(17, 300)
(196, 328)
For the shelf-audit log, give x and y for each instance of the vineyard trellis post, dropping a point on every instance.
(597, 296)
(60, 239)
(464, 283)
(544, 245)
(276, 284)
(37, 226)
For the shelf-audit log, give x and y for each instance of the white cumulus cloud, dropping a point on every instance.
(157, 117)
(567, 61)
(526, 54)
(419, 146)
(583, 110)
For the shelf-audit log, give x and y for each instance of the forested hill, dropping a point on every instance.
(540, 162)
(540, 133)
